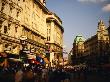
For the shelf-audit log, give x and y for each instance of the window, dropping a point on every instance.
(49, 31)
(1, 24)
(11, 9)
(16, 28)
(48, 38)
(107, 38)
(23, 0)
(17, 13)
(3, 4)
(5, 29)
(9, 26)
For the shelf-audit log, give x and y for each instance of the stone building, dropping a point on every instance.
(78, 49)
(23, 27)
(96, 47)
(55, 38)
(94, 50)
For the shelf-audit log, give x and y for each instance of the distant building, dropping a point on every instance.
(78, 48)
(97, 45)
(94, 50)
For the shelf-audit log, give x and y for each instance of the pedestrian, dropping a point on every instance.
(19, 76)
(28, 75)
(18, 72)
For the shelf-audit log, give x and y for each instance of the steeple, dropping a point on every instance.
(101, 26)
(100, 22)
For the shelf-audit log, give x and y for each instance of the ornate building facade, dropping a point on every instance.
(78, 48)
(23, 27)
(95, 49)
(55, 38)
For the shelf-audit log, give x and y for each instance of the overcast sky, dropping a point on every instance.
(79, 16)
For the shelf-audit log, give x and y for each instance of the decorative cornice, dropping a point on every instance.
(42, 6)
(53, 19)
(9, 38)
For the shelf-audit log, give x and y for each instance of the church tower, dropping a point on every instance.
(101, 26)
(102, 32)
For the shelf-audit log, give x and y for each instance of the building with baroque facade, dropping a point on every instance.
(24, 26)
(95, 49)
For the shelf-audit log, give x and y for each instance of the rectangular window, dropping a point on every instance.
(5, 29)
(1, 24)
(9, 26)
(16, 29)
(3, 4)
(11, 9)
(17, 13)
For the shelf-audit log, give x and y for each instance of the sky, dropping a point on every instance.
(79, 17)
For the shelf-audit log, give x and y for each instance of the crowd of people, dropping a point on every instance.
(19, 72)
